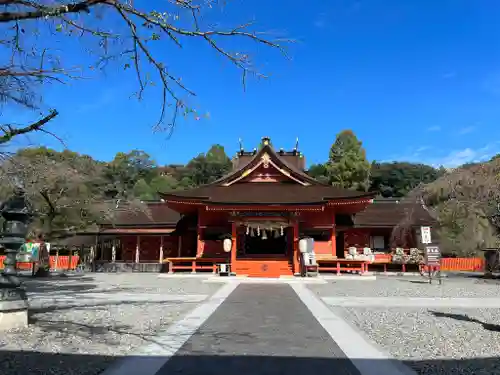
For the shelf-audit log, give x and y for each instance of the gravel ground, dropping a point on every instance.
(438, 341)
(408, 287)
(63, 331)
(430, 340)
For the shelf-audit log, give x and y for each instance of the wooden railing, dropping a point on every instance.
(193, 264)
(462, 264)
(62, 263)
(340, 265)
(447, 264)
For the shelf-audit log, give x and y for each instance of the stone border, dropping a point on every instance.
(366, 357)
(149, 359)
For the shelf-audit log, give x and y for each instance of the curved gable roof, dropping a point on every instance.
(301, 189)
(267, 149)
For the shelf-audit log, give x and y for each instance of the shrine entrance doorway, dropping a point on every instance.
(270, 243)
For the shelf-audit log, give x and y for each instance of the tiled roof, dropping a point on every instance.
(158, 214)
(306, 191)
(266, 193)
(391, 212)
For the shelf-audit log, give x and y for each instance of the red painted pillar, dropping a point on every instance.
(333, 237)
(233, 247)
(199, 243)
(296, 265)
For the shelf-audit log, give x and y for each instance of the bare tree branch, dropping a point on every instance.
(131, 39)
(10, 132)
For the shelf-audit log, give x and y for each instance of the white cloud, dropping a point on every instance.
(466, 130)
(434, 128)
(467, 155)
(453, 159)
(449, 75)
(321, 21)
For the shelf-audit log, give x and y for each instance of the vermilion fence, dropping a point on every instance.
(447, 264)
(462, 264)
(62, 263)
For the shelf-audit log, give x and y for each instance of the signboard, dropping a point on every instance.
(432, 256)
(29, 252)
(425, 233)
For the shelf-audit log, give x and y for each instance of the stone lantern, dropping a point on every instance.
(13, 300)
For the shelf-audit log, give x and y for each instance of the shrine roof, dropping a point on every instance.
(155, 214)
(266, 193)
(391, 212)
(299, 188)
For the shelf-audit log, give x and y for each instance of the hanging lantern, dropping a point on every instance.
(248, 230)
(264, 235)
(258, 230)
(281, 230)
(252, 232)
(276, 233)
(227, 245)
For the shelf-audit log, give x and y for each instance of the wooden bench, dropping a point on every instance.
(332, 263)
(193, 264)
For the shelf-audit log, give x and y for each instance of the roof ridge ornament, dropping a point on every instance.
(266, 141)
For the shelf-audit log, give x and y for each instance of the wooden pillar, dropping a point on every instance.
(199, 245)
(179, 246)
(160, 260)
(113, 252)
(333, 236)
(137, 249)
(233, 247)
(296, 263)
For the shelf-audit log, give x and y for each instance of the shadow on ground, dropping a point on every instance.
(66, 285)
(25, 363)
(466, 318)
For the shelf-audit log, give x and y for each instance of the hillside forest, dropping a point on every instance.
(72, 192)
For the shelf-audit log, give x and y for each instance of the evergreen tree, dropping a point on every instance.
(347, 166)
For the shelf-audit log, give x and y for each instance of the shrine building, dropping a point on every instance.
(264, 206)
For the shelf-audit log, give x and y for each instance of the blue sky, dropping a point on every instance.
(415, 80)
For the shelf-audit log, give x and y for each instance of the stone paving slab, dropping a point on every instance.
(262, 329)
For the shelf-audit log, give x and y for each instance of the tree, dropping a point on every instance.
(319, 172)
(397, 179)
(65, 190)
(118, 33)
(466, 203)
(347, 166)
(126, 169)
(163, 183)
(209, 167)
(143, 191)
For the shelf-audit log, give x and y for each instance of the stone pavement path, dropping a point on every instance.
(260, 329)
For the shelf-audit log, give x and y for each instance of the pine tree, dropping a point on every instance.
(347, 166)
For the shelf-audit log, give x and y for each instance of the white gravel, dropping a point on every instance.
(437, 341)
(408, 287)
(73, 336)
(431, 340)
